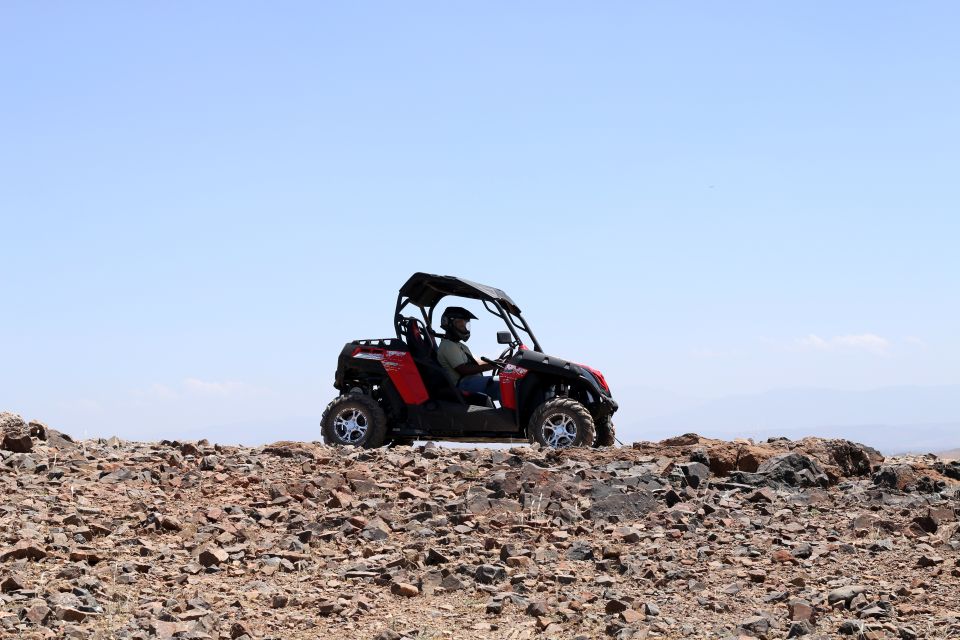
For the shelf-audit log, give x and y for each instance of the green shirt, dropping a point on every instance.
(451, 355)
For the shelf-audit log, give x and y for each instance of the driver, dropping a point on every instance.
(464, 370)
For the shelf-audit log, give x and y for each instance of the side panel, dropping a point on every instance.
(401, 369)
(508, 385)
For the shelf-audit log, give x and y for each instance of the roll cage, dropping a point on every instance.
(425, 291)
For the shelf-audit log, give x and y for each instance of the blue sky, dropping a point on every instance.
(200, 203)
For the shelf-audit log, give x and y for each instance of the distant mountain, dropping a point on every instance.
(892, 419)
(953, 454)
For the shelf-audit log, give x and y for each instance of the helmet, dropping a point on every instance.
(447, 324)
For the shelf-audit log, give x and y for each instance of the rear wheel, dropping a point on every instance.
(355, 420)
(561, 423)
(606, 433)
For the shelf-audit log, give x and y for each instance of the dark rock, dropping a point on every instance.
(11, 583)
(580, 551)
(212, 557)
(794, 470)
(852, 458)
(18, 442)
(851, 628)
(615, 605)
(895, 476)
(23, 550)
(434, 557)
(624, 506)
(696, 473)
(929, 560)
(949, 469)
(846, 594)
(38, 430)
(452, 583)
(489, 574)
(758, 626)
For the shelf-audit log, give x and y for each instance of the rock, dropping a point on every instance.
(630, 616)
(623, 506)
(757, 575)
(794, 470)
(895, 476)
(376, 530)
(757, 626)
(949, 469)
(580, 551)
(212, 557)
(38, 613)
(434, 557)
(782, 556)
(163, 540)
(801, 610)
(387, 634)
(696, 473)
(764, 494)
(404, 589)
(452, 583)
(13, 582)
(410, 493)
(852, 459)
(929, 560)
(69, 614)
(11, 422)
(846, 594)
(17, 441)
(851, 628)
(489, 574)
(23, 550)
(616, 605)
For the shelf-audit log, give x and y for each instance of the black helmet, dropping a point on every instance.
(456, 313)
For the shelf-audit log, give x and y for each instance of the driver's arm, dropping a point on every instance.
(473, 368)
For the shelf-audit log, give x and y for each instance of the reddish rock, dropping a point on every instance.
(404, 589)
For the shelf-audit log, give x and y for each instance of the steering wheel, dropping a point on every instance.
(497, 364)
(502, 361)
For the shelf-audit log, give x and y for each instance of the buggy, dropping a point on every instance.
(394, 390)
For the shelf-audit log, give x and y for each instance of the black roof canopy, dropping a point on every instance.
(426, 289)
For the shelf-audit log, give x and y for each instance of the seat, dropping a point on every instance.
(424, 351)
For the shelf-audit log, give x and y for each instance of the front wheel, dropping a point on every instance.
(606, 434)
(561, 423)
(356, 420)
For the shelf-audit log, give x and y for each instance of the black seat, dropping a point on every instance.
(424, 351)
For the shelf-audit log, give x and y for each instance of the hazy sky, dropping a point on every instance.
(201, 202)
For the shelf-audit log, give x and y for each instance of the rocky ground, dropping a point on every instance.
(686, 538)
